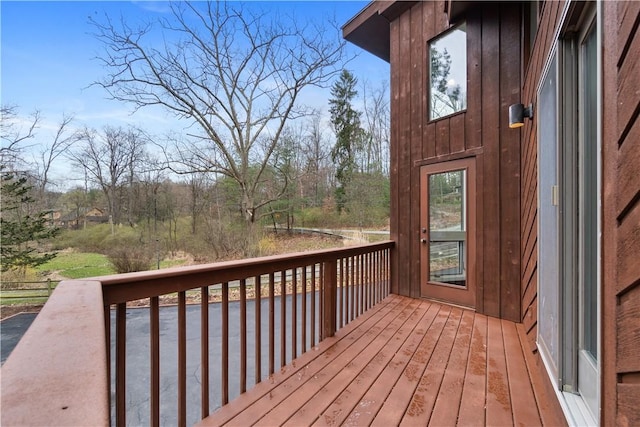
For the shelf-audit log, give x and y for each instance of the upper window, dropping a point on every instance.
(448, 73)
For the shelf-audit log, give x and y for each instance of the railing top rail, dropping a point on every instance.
(57, 374)
(118, 288)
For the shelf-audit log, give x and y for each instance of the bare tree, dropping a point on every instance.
(14, 135)
(237, 75)
(376, 122)
(110, 159)
(62, 140)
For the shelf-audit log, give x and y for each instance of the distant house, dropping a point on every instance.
(82, 217)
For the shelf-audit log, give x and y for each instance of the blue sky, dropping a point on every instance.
(47, 57)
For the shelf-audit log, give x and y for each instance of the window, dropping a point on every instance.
(447, 227)
(569, 185)
(448, 73)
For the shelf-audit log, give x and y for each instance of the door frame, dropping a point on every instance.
(456, 294)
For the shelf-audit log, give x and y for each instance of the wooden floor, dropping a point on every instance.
(405, 362)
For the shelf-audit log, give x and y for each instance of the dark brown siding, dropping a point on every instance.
(493, 45)
(621, 213)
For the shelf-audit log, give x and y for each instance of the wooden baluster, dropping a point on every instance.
(224, 357)
(154, 326)
(182, 359)
(329, 296)
(243, 335)
(304, 310)
(271, 323)
(313, 305)
(258, 328)
(294, 313)
(283, 318)
(204, 350)
(121, 363)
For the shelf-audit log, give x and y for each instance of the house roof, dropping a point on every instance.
(369, 29)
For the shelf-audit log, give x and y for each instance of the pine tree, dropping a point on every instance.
(21, 230)
(346, 125)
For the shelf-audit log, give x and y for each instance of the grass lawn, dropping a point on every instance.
(78, 265)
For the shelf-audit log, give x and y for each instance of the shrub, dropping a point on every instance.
(127, 259)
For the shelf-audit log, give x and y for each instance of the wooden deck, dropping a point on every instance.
(404, 362)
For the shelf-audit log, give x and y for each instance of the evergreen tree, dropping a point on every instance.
(22, 230)
(346, 125)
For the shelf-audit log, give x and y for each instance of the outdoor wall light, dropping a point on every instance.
(517, 113)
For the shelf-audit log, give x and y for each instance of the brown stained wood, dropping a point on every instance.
(121, 366)
(628, 250)
(418, 118)
(341, 290)
(424, 398)
(224, 356)
(443, 137)
(509, 159)
(204, 351)
(294, 313)
(518, 378)
(118, 288)
(628, 407)
(627, 14)
(457, 134)
(472, 403)
(257, 286)
(388, 366)
(428, 129)
(272, 324)
(283, 318)
(404, 226)
(491, 164)
(628, 98)
(498, 398)
(342, 384)
(627, 331)
(303, 335)
(243, 336)
(259, 401)
(628, 183)
(429, 141)
(546, 401)
(313, 305)
(397, 402)
(449, 395)
(362, 355)
(394, 156)
(154, 359)
(57, 374)
(473, 116)
(329, 297)
(182, 358)
(479, 235)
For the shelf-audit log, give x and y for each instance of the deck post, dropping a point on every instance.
(329, 290)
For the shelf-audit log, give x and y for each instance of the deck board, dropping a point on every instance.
(404, 362)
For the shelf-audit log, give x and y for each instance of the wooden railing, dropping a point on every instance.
(298, 300)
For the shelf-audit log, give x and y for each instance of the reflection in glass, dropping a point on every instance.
(447, 227)
(448, 76)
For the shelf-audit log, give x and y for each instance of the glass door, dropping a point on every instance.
(446, 233)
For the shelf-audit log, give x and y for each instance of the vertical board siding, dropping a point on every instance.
(490, 141)
(493, 82)
(509, 165)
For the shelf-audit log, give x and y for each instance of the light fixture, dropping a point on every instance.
(517, 113)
